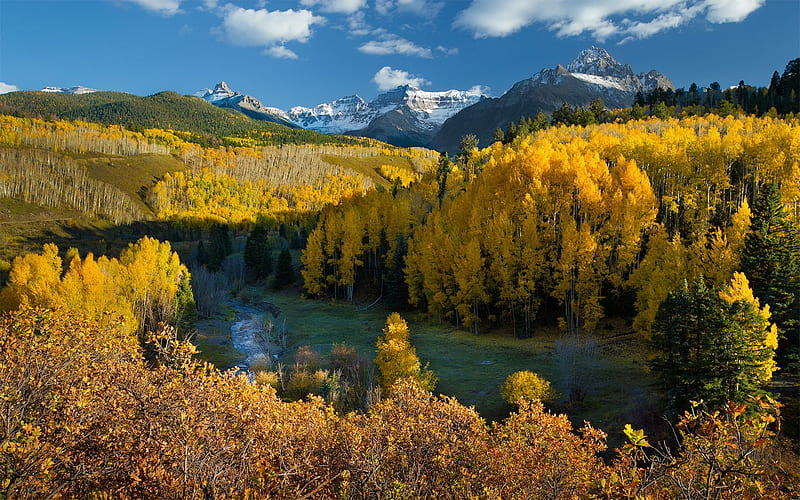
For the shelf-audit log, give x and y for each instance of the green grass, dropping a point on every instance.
(131, 174)
(213, 341)
(471, 368)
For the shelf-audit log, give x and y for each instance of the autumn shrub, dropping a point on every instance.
(303, 382)
(83, 416)
(728, 453)
(526, 386)
(267, 378)
(307, 358)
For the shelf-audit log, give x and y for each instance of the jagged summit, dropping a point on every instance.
(405, 114)
(220, 91)
(596, 67)
(597, 61)
(222, 96)
(593, 73)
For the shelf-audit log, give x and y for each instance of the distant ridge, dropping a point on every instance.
(403, 116)
(78, 89)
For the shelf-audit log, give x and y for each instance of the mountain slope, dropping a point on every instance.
(222, 96)
(594, 73)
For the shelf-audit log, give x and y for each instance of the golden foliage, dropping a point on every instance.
(526, 386)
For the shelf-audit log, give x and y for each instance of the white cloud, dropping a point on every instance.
(5, 88)
(601, 19)
(423, 8)
(387, 78)
(336, 6)
(253, 28)
(448, 52)
(479, 90)
(730, 11)
(280, 52)
(357, 25)
(392, 44)
(165, 7)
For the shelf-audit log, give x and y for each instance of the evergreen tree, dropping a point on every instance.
(637, 112)
(771, 260)
(219, 246)
(712, 346)
(442, 171)
(661, 111)
(598, 108)
(469, 143)
(258, 253)
(284, 274)
(499, 136)
(564, 115)
(185, 306)
(395, 286)
(540, 121)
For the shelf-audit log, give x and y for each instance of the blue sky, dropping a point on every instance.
(306, 52)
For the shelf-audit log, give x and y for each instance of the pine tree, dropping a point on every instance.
(395, 286)
(443, 170)
(219, 246)
(257, 253)
(712, 346)
(284, 274)
(771, 260)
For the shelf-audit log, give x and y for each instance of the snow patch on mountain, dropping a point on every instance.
(352, 113)
(219, 92)
(596, 67)
(428, 109)
(600, 81)
(77, 89)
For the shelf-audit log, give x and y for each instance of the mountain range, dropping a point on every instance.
(403, 116)
(408, 116)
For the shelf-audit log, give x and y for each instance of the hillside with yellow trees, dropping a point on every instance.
(685, 231)
(72, 164)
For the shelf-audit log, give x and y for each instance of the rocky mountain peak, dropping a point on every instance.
(597, 61)
(222, 88)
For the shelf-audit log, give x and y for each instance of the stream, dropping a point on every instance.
(246, 334)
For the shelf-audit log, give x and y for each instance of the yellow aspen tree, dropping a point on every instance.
(761, 336)
(313, 259)
(397, 358)
(662, 270)
(33, 280)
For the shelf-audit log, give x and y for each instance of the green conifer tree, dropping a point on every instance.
(771, 261)
(712, 346)
(284, 274)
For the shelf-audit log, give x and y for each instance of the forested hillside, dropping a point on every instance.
(685, 231)
(204, 122)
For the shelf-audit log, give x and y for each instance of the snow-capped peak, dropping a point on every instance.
(77, 89)
(597, 61)
(220, 91)
(429, 109)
